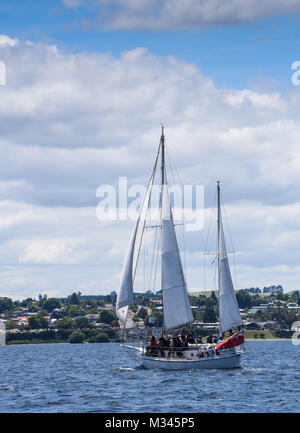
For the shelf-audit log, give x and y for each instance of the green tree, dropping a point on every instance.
(209, 313)
(243, 298)
(26, 302)
(73, 299)
(158, 317)
(102, 338)
(115, 324)
(142, 313)
(37, 321)
(65, 323)
(6, 305)
(74, 311)
(58, 314)
(106, 317)
(51, 303)
(213, 298)
(82, 322)
(295, 296)
(89, 305)
(11, 324)
(76, 337)
(107, 299)
(133, 308)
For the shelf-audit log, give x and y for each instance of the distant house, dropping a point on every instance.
(52, 323)
(92, 318)
(257, 308)
(20, 318)
(157, 301)
(211, 326)
(102, 326)
(252, 325)
(293, 306)
(108, 307)
(253, 311)
(272, 325)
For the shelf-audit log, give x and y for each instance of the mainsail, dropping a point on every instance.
(176, 306)
(229, 314)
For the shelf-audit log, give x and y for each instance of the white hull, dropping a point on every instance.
(226, 361)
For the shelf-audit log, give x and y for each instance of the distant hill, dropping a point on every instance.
(206, 293)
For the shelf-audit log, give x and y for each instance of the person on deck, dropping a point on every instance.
(190, 338)
(162, 345)
(153, 346)
(211, 352)
(199, 340)
(177, 345)
(209, 339)
(184, 342)
(171, 352)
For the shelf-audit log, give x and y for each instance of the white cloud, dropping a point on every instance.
(73, 3)
(6, 40)
(71, 122)
(64, 250)
(184, 14)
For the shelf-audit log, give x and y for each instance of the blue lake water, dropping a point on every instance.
(106, 378)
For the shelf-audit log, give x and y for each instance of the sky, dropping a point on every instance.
(88, 85)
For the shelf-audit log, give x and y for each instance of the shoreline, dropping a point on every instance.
(267, 339)
(86, 342)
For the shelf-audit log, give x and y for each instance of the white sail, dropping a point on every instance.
(176, 306)
(125, 295)
(229, 314)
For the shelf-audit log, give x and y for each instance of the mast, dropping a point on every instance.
(162, 141)
(218, 262)
(162, 157)
(229, 313)
(176, 307)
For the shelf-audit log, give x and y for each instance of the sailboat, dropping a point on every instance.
(177, 313)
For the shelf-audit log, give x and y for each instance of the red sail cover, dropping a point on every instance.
(234, 340)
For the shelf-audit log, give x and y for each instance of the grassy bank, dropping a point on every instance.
(267, 335)
(62, 336)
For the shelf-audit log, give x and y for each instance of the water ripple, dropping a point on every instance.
(105, 378)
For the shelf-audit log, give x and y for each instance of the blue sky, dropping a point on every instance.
(257, 53)
(89, 83)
